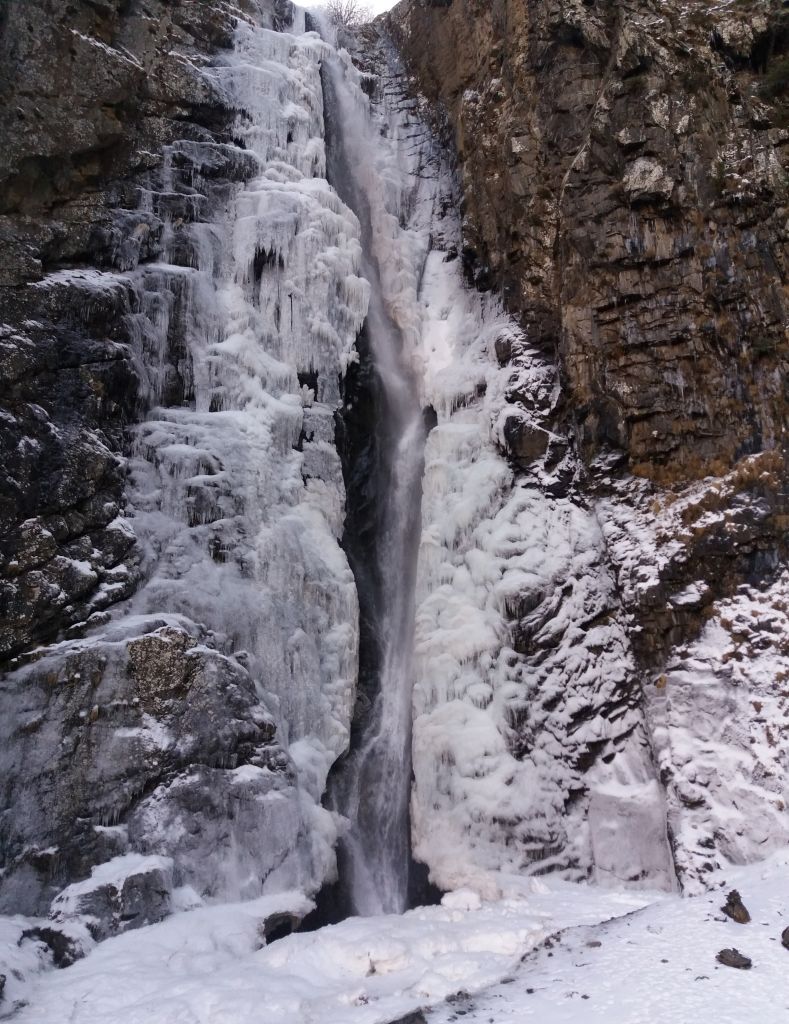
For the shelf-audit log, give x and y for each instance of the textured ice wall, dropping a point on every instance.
(245, 624)
(529, 748)
(239, 497)
(525, 674)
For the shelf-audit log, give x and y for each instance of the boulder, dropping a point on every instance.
(125, 893)
(735, 908)
(734, 958)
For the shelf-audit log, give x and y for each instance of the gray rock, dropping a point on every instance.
(102, 726)
(139, 894)
(64, 949)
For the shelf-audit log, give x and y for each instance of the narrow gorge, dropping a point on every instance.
(393, 501)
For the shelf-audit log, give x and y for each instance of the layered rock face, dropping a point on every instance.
(625, 185)
(179, 303)
(623, 178)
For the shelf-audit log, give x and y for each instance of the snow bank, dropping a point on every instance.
(212, 964)
(657, 965)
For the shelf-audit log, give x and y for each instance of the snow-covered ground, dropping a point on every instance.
(656, 966)
(621, 958)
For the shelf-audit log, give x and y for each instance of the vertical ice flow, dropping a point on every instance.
(374, 787)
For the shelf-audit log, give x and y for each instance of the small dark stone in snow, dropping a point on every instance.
(594, 944)
(530, 991)
(735, 908)
(584, 997)
(734, 958)
(65, 951)
(785, 938)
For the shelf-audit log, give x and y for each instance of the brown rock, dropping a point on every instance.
(734, 958)
(735, 908)
(603, 195)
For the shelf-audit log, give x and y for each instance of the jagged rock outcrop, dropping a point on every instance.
(625, 185)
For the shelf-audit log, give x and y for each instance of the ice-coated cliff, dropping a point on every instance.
(504, 714)
(196, 721)
(393, 481)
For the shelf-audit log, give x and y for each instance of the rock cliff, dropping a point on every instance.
(624, 185)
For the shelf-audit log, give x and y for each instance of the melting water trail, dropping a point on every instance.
(372, 788)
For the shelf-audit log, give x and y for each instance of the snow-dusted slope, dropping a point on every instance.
(610, 957)
(717, 705)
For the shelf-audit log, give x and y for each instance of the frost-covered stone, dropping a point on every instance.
(645, 178)
(127, 892)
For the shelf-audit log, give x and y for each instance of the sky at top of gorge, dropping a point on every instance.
(375, 6)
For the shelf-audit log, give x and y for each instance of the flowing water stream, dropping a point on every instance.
(372, 787)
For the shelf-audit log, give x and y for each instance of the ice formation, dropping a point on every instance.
(242, 332)
(497, 546)
(240, 499)
(507, 664)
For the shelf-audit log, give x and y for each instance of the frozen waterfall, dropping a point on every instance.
(372, 787)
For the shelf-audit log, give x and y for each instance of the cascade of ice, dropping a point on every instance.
(242, 331)
(372, 790)
(237, 494)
